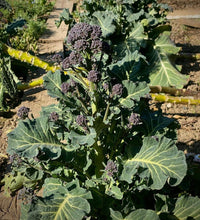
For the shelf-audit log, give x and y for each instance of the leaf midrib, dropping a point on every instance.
(162, 167)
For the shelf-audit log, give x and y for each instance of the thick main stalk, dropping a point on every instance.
(177, 100)
(28, 58)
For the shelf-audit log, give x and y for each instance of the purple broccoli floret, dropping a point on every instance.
(96, 46)
(134, 119)
(117, 89)
(84, 37)
(75, 58)
(66, 63)
(93, 76)
(81, 120)
(79, 31)
(57, 58)
(54, 116)
(96, 32)
(65, 87)
(72, 83)
(105, 86)
(81, 45)
(23, 112)
(111, 168)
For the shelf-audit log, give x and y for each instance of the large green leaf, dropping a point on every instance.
(124, 67)
(161, 70)
(51, 186)
(136, 34)
(52, 82)
(187, 207)
(127, 52)
(106, 22)
(64, 16)
(32, 135)
(134, 92)
(140, 214)
(132, 17)
(161, 161)
(65, 202)
(132, 42)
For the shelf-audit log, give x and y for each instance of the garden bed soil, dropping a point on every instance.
(188, 116)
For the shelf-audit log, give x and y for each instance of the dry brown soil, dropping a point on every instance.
(187, 37)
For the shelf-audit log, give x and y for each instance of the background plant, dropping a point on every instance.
(21, 24)
(101, 152)
(34, 15)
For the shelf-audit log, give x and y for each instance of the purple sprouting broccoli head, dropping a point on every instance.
(84, 37)
(65, 87)
(57, 58)
(96, 45)
(117, 89)
(73, 59)
(80, 31)
(93, 76)
(66, 63)
(134, 119)
(81, 120)
(81, 45)
(54, 116)
(68, 86)
(111, 168)
(96, 32)
(23, 112)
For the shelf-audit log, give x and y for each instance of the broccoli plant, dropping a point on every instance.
(138, 33)
(100, 153)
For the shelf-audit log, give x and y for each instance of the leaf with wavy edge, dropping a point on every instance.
(161, 160)
(65, 202)
(51, 186)
(161, 70)
(134, 92)
(106, 22)
(132, 42)
(79, 139)
(127, 53)
(139, 214)
(187, 207)
(52, 82)
(30, 136)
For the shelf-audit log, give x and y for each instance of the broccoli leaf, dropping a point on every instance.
(106, 22)
(160, 159)
(134, 92)
(140, 214)
(154, 121)
(52, 82)
(161, 70)
(127, 52)
(187, 206)
(64, 202)
(30, 136)
(79, 139)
